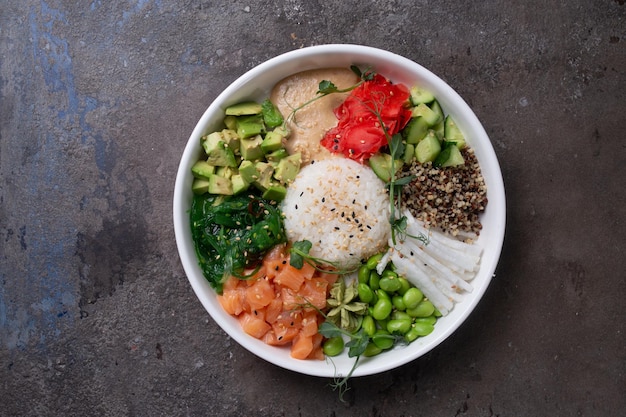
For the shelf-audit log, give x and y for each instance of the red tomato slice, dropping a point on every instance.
(358, 134)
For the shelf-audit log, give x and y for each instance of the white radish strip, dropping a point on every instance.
(382, 264)
(431, 257)
(415, 228)
(406, 268)
(407, 248)
(465, 261)
(441, 282)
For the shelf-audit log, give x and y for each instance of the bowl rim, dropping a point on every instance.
(395, 67)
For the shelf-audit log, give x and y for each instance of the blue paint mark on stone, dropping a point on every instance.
(48, 302)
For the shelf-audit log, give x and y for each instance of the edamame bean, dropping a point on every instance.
(382, 308)
(404, 285)
(383, 339)
(368, 325)
(365, 293)
(364, 274)
(389, 284)
(374, 280)
(373, 261)
(400, 315)
(380, 293)
(398, 302)
(423, 329)
(388, 273)
(429, 320)
(371, 350)
(424, 309)
(398, 326)
(412, 297)
(333, 346)
(411, 335)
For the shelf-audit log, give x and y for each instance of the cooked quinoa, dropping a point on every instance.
(450, 199)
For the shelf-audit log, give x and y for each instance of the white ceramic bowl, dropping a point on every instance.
(256, 84)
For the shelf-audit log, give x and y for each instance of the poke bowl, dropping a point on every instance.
(257, 85)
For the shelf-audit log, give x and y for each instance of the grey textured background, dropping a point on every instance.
(97, 100)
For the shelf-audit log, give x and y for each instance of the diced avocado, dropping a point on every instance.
(430, 117)
(277, 155)
(202, 169)
(226, 172)
(288, 168)
(428, 148)
(419, 96)
(251, 148)
(230, 137)
(239, 183)
(409, 153)
(222, 156)
(244, 108)
(220, 185)
(438, 127)
(450, 156)
(271, 115)
(200, 186)
(211, 141)
(230, 122)
(275, 192)
(248, 171)
(415, 130)
(381, 165)
(453, 133)
(273, 141)
(248, 126)
(266, 171)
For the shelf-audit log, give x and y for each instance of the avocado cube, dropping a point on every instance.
(248, 171)
(200, 186)
(222, 156)
(202, 169)
(266, 171)
(239, 184)
(230, 122)
(211, 142)
(231, 139)
(244, 108)
(248, 126)
(288, 168)
(275, 192)
(220, 185)
(251, 148)
(277, 155)
(273, 141)
(226, 172)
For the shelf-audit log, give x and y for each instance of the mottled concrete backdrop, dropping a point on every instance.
(97, 100)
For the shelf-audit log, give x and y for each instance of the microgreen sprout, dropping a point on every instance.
(299, 254)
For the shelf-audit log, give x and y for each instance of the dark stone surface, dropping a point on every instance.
(97, 100)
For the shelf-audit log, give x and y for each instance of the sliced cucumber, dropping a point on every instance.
(428, 149)
(419, 96)
(453, 133)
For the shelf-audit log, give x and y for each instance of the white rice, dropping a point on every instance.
(341, 207)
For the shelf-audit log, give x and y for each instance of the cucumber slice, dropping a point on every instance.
(430, 117)
(415, 130)
(428, 149)
(381, 165)
(452, 132)
(438, 127)
(419, 96)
